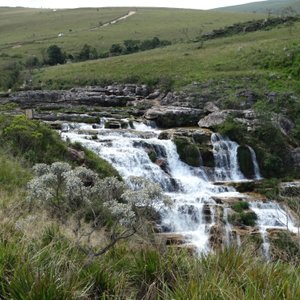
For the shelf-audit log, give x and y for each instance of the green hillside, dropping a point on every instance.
(245, 54)
(273, 6)
(27, 31)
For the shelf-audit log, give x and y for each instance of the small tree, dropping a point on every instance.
(55, 56)
(79, 195)
(87, 52)
(116, 49)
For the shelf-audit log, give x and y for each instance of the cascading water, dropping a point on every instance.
(192, 215)
(226, 161)
(257, 174)
(271, 216)
(227, 227)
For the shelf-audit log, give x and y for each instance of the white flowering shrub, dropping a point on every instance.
(79, 193)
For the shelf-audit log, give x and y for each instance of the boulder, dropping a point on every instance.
(213, 119)
(76, 155)
(246, 117)
(172, 116)
(290, 189)
(210, 107)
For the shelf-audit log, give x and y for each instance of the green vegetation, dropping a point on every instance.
(37, 143)
(243, 218)
(285, 247)
(240, 206)
(189, 153)
(76, 233)
(71, 30)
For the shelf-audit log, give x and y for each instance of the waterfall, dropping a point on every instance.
(271, 216)
(226, 161)
(227, 227)
(193, 213)
(257, 174)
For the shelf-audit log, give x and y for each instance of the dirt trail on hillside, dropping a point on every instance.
(130, 13)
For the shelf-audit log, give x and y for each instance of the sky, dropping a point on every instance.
(195, 4)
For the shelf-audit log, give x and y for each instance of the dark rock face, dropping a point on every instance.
(245, 161)
(172, 116)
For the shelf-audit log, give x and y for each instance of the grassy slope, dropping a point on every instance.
(275, 6)
(28, 31)
(235, 56)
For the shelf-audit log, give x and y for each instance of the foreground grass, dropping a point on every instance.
(49, 266)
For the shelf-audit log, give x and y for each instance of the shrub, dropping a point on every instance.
(55, 55)
(240, 206)
(243, 218)
(34, 140)
(79, 193)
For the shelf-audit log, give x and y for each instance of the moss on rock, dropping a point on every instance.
(188, 152)
(245, 161)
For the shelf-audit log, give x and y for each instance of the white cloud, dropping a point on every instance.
(200, 4)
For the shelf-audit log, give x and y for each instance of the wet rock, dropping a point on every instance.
(207, 156)
(192, 211)
(202, 136)
(245, 161)
(207, 213)
(162, 164)
(188, 152)
(165, 135)
(216, 236)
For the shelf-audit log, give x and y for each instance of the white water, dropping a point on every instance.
(227, 227)
(271, 216)
(257, 174)
(226, 161)
(189, 188)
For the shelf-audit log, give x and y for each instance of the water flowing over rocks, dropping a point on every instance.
(202, 217)
(170, 139)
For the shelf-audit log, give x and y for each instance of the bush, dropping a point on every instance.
(240, 206)
(243, 218)
(55, 56)
(87, 52)
(33, 140)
